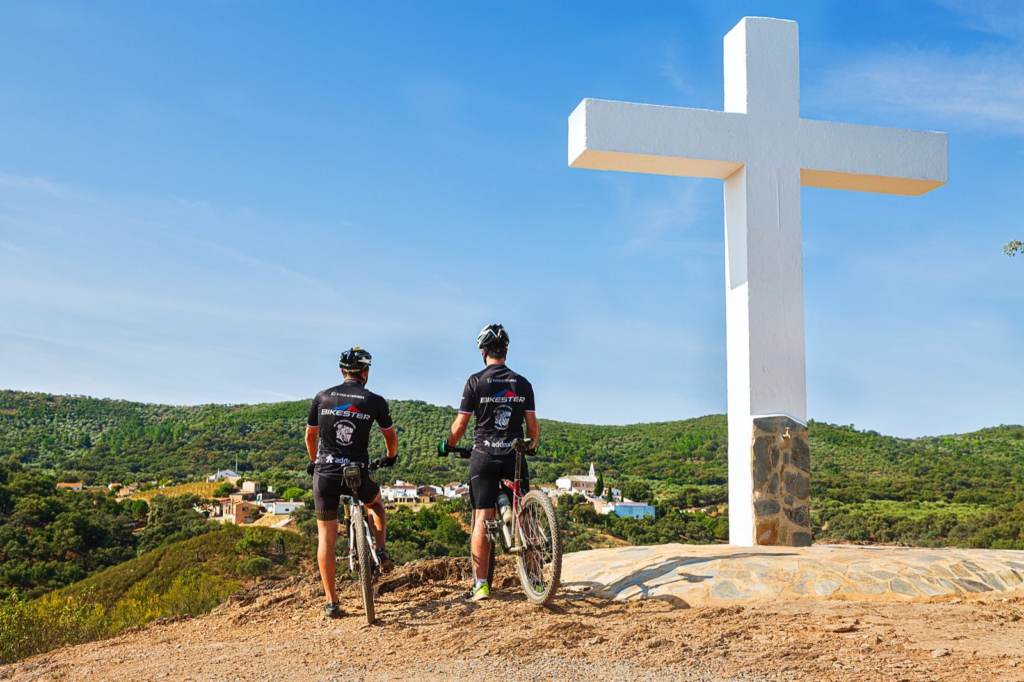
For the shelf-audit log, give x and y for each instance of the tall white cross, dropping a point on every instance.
(764, 152)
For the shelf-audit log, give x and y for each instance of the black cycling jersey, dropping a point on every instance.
(345, 415)
(499, 398)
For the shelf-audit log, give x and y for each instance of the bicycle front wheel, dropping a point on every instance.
(540, 540)
(364, 563)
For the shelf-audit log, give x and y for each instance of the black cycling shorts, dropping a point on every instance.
(327, 492)
(486, 473)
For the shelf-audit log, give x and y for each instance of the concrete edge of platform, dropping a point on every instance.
(723, 575)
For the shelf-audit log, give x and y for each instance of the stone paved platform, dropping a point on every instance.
(723, 574)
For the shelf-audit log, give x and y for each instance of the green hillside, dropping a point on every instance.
(960, 479)
(107, 440)
(184, 578)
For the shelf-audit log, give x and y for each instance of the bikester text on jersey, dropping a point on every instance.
(345, 415)
(500, 399)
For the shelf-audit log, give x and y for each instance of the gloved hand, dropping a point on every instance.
(387, 462)
(442, 448)
(310, 467)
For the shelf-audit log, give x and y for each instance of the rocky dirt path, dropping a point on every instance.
(275, 632)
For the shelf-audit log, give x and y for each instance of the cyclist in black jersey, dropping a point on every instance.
(501, 401)
(337, 434)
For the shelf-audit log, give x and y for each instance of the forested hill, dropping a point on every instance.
(104, 440)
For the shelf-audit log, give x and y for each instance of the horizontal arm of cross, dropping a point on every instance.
(644, 138)
(871, 159)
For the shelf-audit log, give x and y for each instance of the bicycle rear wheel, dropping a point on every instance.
(364, 564)
(540, 561)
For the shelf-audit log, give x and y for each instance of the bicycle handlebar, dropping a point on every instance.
(377, 463)
(519, 445)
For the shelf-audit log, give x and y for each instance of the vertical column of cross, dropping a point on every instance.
(764, 288)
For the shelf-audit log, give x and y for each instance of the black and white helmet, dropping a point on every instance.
(355, 359)
(492, 337)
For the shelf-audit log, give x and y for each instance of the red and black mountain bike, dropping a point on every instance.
(529, 531)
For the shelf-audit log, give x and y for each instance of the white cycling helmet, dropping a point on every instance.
(492, 337)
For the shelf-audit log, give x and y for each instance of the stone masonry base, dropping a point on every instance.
(781, 466)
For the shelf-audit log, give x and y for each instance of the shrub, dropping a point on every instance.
(185, 578)
(254, 541)
(31, 627)
(223, 490)
(255, 566)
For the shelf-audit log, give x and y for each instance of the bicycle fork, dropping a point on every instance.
(370, 541)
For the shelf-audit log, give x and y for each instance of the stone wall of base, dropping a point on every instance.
(781, 465)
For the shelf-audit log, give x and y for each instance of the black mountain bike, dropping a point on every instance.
(363, 560)
(530, 532)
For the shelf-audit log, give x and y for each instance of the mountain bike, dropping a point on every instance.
(363, 559)
(530, 531)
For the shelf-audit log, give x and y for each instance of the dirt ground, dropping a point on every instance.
(275, 631)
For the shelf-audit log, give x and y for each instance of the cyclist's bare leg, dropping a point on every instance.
(378, 521)
(480, 545)
(328, 535)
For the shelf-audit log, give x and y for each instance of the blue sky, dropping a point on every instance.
(206, 202)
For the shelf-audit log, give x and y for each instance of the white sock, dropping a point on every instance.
(478, 582)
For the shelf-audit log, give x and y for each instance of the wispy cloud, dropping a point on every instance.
(211, 290)
(997, 17)
(251, 261)
(979, 91)
(652, 222)
(12, 248)
(670, 70)
(979, 88)
(46, 186)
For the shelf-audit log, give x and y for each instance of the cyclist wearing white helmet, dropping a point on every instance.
(501, 401)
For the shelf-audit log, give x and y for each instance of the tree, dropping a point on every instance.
(1014, 247)
(223, 490)
(51, 537)
(599, 486)
(637, 491)
(292, 493)
(172, 519)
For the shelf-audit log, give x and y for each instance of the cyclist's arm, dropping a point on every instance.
(391, 440)
(532, 429)
(466, 407)
(458, 429)
(313, 428)
(387, 427)
(312, 435)
(530, 412)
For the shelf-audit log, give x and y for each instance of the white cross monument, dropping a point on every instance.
(764, 152)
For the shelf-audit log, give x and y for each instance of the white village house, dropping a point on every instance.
(400, 491)
(456, 489)
(282, 506)
(229, 475)
(578, 484)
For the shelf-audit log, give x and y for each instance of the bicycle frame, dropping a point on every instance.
(353, 475)
(516, 488)
(351, 502)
